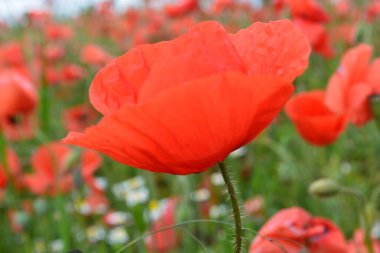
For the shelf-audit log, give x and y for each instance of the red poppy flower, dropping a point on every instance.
(72, 73)
(18, 100)
(11, 54)
(53, 169)
(308, 9)
(79, 117)
(181, 7)
(90, 163)
(314, 121)
(294, 230)
(165, 241)
(221, 5)
(54, 52)
(14, 170)
(53, 75)
(342, 7)
(17, 94)
(38, 18)
(317, 35)
(95, 203)
(357, 244)
(373, 10)
(345, 33)
(93, 55)
(58, 32)
(353, 82)
(181, 106)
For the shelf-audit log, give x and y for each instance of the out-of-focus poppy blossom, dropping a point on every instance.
(308, 9)
(342, 7)
(58, 32)
(54, 52)
(346, 33)
(14, 167)
(221, 5)
(314, 121)
(353, 82)
(278, 6)
(79, 117)
(254, 206)
(373, 10)
(18, 101)
(317, 35)
(181, 7)
(53, 169)
(167, 240)
(53, 75)
(150, 116)
(11, 54)
(71, 73)
(294, 230)
(90, 163)
(38, 17)
(17, 94)
(357, 244)
(93, 55)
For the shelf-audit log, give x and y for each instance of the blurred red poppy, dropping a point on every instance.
(38, 18)
(294, 230)
(72, 73)
(79, 117)
(94, 55)
(14, 168)
(181, 106)
(222, 5)
(181, 7)
(373, 10)
(317, 35)
(314, 121)
(17, 94)
(11, 54)
(53, 169)
(353, 82)
(357, 244)
(58, 32)
(18, 99)
(308, 9)
(167, 240)
(54, 52)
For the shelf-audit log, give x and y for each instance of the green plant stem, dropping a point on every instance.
(364, 219)
(367, 233)
(3, 153)
(44, 94)
(235, 207)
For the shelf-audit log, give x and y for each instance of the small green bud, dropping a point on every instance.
(324, 188)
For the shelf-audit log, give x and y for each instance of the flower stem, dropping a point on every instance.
(235, 207)
(3, 153)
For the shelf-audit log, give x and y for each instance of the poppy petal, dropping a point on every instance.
(119, 83)
(314, 121)
(206, 48)
(174, 134)
(277, 48)
(358, 99)
(373, 77)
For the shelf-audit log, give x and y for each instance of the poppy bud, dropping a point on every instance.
(375, 108)
(324, 188)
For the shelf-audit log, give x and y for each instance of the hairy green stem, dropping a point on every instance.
(235, 207)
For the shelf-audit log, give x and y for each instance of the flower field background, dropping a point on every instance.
(55, 197)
